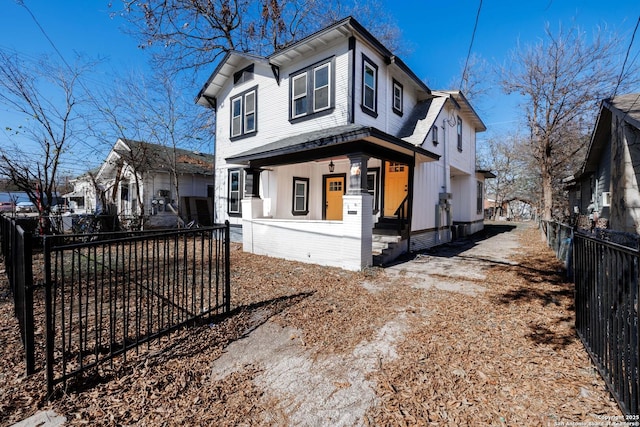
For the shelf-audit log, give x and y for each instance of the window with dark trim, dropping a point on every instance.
(373, 186)
(459, 134)
(244, 113)
(244, 75)
(312, 91)
(369, 87)
(398, 97)
(300, 205)
(480, 198)
(235, 192)
(434, 134)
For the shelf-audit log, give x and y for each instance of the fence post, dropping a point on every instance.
(48, 310)
(227, 266)
(27, 299)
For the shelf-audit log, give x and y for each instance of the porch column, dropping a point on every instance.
(358, 173)
(357, 212)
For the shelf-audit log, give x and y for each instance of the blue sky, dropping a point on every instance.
(438, 33)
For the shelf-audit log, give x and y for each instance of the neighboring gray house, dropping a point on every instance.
(606, 189)
(138, 174)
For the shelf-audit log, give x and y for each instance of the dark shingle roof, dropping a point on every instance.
(155, 157)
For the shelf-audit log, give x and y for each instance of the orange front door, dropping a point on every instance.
(333, 190)
(396, 180)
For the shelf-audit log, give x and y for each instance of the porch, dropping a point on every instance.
(372, 178)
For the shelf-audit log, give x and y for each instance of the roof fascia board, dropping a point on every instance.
(221, 64)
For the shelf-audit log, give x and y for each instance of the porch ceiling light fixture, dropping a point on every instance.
(331, 166)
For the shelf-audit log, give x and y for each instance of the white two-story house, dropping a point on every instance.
(332, 150)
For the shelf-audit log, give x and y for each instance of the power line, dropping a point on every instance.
(473, 35)
(92, 149)
(615, 91)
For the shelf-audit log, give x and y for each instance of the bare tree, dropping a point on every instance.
(189, 35)
(474, 79)
(561, 79)
(142, 112)
(48, 99)
(506, 156)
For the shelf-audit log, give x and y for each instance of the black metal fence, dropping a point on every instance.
(97, 299)
(16, 248)
(559, 237)
(607, 276)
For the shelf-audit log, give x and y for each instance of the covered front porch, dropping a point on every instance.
(316, 197)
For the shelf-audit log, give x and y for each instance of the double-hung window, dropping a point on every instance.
(312, 91)
(459, 134)
(244, 109)
(299, 96)
(321, 87)
(300, 196)
(397, 97)
(250, 112)
(235, 192)
(369, 87)
(480, 198)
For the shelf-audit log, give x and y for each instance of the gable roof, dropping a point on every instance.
(424, 115)
(465, 108)
(225, 69)
(421, 119)
(627, 107)
(341, 29)
(159, 158)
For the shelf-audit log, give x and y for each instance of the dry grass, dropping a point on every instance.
(506, 356)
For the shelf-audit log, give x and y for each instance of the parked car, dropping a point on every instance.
(25, 207)
(59, 209)
(6, 206)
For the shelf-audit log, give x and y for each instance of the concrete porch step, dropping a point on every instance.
(386, 247)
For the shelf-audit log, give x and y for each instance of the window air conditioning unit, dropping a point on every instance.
(163, 193)
(606, 199)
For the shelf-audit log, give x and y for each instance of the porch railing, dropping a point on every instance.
(401, 213)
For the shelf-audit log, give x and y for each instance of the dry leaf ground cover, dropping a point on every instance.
(475, 333)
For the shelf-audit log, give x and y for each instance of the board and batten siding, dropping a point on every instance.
(427, 180)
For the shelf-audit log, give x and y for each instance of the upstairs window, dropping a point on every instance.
(321, 88)
(459, 134)
(299, 96)
(434, 134)
(244, 113)
(369, 87)
(312, 91)
(250, 112)
(480, 198)
(397, 97)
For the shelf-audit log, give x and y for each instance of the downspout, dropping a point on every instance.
(410, 202)
(444, 174)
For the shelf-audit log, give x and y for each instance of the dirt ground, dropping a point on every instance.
(479, 332)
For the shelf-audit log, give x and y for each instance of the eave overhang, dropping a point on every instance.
(224, 71)
(331, 143)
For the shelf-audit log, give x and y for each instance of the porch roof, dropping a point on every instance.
(333, 142)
